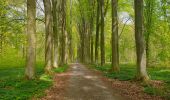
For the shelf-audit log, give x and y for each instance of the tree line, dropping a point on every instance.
(78, 31)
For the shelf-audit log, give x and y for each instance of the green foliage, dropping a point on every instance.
(13, 85)
(128, 71)
(61, 69)
(13, 38)
(154, 91)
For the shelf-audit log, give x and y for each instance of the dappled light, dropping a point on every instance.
(84, 49)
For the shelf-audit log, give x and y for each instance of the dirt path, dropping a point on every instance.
(81, 83)
(84, 84)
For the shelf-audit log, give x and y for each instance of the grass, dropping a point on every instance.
(128, 71)
(13, 85)
(61, 69)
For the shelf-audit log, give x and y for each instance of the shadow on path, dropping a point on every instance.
(84, 84)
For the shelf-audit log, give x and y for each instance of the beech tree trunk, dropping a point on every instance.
(102, 34)
(70, 40)
(63, 33)
(97, 32)
(91, 41)
(140, 45)
(55, 33)
(31, 40)
(49, 35)
(92, 4)
(115, 46)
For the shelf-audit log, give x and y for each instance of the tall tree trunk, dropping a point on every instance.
(92, 49)
(91, 41)
(83, 40)
(139, 38)
(55, 33)
(63, 33)
(88, 38)
(92, 4)
(102, 34)
(115, 46)
(97, 32)
(31, 40)
(49, 35)
(70, 35)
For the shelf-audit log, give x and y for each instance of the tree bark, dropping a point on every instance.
(115, 46)
(97, 33)
(71, 51)
(49, 35)
(91, 41)
(102, 34)
(92, 49)
(139, 38)
(88, 38)
(92, 4)
(63, 33)
(31, 40)
(55, 33)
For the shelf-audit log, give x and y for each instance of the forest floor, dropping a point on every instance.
(82, 83)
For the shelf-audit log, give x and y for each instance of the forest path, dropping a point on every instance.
(84, 84)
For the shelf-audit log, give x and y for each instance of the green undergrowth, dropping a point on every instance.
(61, 69)
(13, 85)
(128, 72)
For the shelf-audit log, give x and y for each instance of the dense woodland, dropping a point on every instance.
(40, 36)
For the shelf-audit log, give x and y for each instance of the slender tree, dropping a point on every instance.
(70, 39)
(102, 41)
(92, 4)
(115, 46)
(140, 45)
(97, 32)
(31, 39)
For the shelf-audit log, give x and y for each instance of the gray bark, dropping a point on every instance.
(139, 38)
(55, 33)
(31, 40)
(115, 46)
(97, 33)
(63, 44)
(102, 34)
(49, 35)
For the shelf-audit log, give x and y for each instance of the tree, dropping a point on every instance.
(139, 38)
(115, 46)
(49, 35)
(97, 32)
(63, 43)
(70, 37)
(102, 33)
(55, 32)
(31, 40)
(92, 5)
